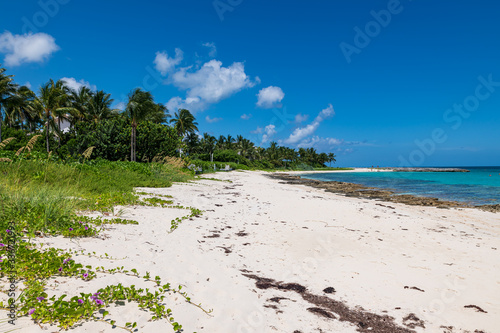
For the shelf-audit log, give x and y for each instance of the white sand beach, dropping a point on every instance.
(388, 259)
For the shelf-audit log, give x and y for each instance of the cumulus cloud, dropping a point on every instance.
(299, 118)
(269, 131)
(27, 48)
(208, 85)
(72, 83)
(270, 97)
(27, 84)
(331, 144)
(212, 120)
(317, 141)
(258, 130)
(302, 132)
(164, 64)
(246, 116)
(212, 49)
(120, 106)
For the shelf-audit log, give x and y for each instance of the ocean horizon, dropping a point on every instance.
(480, 186)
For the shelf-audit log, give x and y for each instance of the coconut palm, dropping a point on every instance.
(221, 142)
(208, 144)
(230, 142)
(19, 109)
(247, 148)
(331, 158)
(159, 114)
(192, 143)
(184, 122)
(99, 107)
(64, 109)
(7, 90)
(80, 100)
(140, 105)
(51, 106)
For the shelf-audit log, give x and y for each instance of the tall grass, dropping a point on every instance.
(41, 195)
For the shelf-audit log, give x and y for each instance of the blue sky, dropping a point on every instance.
(384, 83)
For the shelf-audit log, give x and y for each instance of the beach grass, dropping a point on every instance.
(42, 196)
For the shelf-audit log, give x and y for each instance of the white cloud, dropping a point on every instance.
(165, 64)
(258, 130)
(331, 144)
(302, 132)
(76, 85)
(19, 49)
(208, 85)
(212, 120)
(28, 84)
(120, 106)
(246, 116)
(299, 118)
(269, 131)
(270, 97)
(317, 141)
(213, 50)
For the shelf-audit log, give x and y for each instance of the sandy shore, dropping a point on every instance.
(272, 257)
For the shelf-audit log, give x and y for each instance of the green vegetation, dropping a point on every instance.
(144, 131)
(43, 196)
(52, 174)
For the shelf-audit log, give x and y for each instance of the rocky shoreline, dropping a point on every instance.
(356, 190)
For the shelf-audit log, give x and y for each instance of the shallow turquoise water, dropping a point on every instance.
(479, 186)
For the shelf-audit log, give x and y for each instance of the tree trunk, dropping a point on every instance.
(132, 144)
(0, 125)
(47, 137)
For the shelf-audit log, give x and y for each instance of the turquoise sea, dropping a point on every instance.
(479, 186)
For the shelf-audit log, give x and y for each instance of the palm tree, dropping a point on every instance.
(64, 109)
(159, 114)
(192, 142)
(80, 100)
(331, 158)
(51, 102)
(221, 142)
(229, 142)
(208, 144)
(99, 107)
(247, 148)
(7, 90)
(184, 122)
(140, 106)
(19, 109)
(273, 153)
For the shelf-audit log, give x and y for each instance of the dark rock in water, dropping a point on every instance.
(388, 195)
(429, 170)
(490, 208)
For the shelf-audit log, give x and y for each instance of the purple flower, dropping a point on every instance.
(94, 297)
(31, 311)
(80, 221)
(98, 301)
(67, 260)
(85, 275)
(80, 301)
(41, 298)
(70, 229)
(86, 228)
(8, 231)
(2, 244)
(60, 269)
